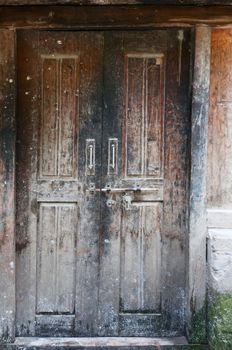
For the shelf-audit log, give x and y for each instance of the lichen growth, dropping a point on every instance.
(220, 322)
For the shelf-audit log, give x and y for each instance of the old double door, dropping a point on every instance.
(102, 177)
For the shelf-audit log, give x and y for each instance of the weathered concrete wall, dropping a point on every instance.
(220, 193)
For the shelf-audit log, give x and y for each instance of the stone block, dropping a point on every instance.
(220, 260)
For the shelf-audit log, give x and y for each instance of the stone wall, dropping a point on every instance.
(220, 288)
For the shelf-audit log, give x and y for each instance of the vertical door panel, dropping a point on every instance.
(140, 258)
(48, 158)
(60, 83)
(143, 125)
(56, 258)
(144, 210)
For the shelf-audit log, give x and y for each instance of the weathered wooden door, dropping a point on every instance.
(102, 177)
(145, 178)
(58, 154)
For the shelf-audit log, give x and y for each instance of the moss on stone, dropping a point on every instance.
(197, 332)
(220, 322)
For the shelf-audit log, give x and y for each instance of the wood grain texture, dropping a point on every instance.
(121, 237)
(198, 224)
(7, 187)
(114, 2)
(141, 259)
(130, 263)
(144, 80)
(57, 222)
(176, 176)
(60, 90)
(146, 16)
(56, 256)
(219, 186)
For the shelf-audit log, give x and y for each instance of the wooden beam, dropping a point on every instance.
(115, 2)
(198, 199)
(97, 17)
(7, 164)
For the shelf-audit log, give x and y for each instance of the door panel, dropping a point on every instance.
(143, 121)
(59, 116)
(56, 258)
(140, 258)
(59, 108)
(146, 109)
(102, 182)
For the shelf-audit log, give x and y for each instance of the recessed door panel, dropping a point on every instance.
(56, 258)
(140, 277)
(144, 109)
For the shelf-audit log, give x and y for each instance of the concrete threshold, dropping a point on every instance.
(111, 343)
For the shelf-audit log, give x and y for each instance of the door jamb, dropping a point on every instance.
(197, 298)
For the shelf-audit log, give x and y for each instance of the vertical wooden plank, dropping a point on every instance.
(155, 116)
(176, 180)
(90, 128)
(69, 91)
(46, 256)
(144, 114)
(49, 130)
(152, 247)
(7, 206)
(56, 258)
(28, 114)
(134, 115)
(131, 251)
(219, 167)
(110, 239)
(66, 258)
(141, 258)
(198, 229)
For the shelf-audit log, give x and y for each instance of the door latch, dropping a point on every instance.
(92, 188)
(110, 202)
(127, 201)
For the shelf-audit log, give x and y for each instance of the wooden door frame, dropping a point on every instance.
(57, 17)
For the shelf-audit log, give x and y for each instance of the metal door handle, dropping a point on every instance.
(91, 157)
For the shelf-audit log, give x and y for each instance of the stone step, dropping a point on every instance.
(112, 343)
